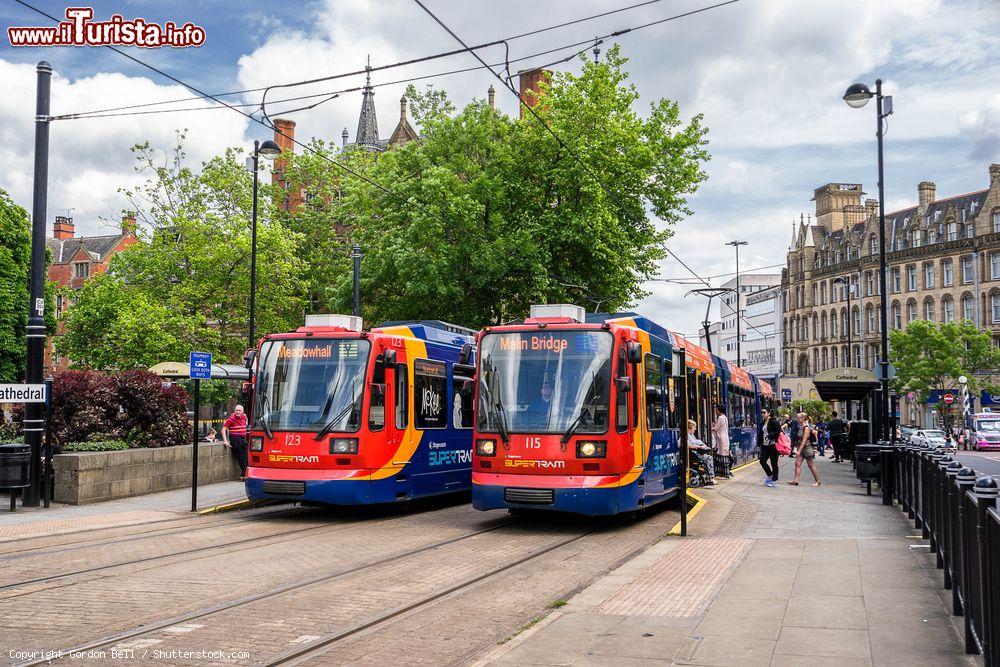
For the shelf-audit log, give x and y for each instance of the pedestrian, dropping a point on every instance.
(837, 427)
(793, 433)
(822, 436)
(769, 448)
(804, 451)
(211, 436)
(702, 451)
(720, 439)
(234, 435)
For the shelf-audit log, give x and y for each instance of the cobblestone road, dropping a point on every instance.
(67, 594)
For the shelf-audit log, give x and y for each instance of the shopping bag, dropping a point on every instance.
(784, 444)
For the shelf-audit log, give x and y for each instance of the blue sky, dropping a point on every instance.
(767, 75)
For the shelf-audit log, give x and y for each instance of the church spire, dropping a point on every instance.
(367, 134)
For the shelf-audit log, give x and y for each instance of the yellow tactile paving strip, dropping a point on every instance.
(683, 582)
(34, 528)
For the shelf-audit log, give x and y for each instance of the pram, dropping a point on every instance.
(700, 468)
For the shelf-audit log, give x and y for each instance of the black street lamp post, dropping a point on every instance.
(269, 150)
(739, 348)
(856, 96)
(356, 256)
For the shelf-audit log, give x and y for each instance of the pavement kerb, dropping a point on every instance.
(699, 503)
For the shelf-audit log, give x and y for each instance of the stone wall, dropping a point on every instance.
(88, 477)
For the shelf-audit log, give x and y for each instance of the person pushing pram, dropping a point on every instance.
(703, 453)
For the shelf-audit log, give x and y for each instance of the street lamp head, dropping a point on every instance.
(269, 150)
(963, 380)
(857, 95)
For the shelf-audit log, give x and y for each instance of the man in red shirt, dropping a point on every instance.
(234, 435)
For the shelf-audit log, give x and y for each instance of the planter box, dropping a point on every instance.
(90, 477)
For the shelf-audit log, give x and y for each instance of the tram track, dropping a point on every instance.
(134, 633)
(319, 646)
(164, 531)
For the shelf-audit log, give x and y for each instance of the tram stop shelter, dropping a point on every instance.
(178, 370)
(851, 384)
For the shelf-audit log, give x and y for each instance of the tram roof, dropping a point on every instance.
(434, 331)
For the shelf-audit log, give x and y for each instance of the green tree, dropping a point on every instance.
(818, 411)
(185, 286)
(486, 214)
(15, 261)
(931, 356)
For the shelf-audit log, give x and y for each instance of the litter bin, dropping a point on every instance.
(15, 463)
(868, 463)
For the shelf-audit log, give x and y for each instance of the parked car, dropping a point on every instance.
(906, 432)
(929, 436)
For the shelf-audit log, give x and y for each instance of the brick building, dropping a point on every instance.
(74, 260)
(943, 259)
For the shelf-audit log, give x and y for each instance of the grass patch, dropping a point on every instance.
(557, 604)
(533, 622)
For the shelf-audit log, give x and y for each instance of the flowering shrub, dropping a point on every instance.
(134, 407)
(101, 446)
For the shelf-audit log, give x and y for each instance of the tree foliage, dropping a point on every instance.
(15, 261)
(186, 285)
(817, 411)
(486, 214)
(931, 356)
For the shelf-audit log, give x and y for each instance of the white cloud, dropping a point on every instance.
(983, 128)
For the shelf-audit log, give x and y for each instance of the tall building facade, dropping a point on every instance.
(943, 262)
(759, 328)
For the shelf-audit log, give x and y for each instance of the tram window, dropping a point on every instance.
(671, 394)
(654, 392)
(430, 404)
(461, 400)
(376, 402)
(621, 397)
(402, 397)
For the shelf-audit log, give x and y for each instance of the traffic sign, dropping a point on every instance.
(949, 399)
(201, 366)
(878, 370)
(22, 393)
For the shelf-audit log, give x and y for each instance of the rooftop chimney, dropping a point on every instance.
(994, 174)
(528, 85)
(343, 138)
(402, 108)
(63, 227)
(284, 134)
(925, 194)
(871, 207)
(128, 223)
(491, 94)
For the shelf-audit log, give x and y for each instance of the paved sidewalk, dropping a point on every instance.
(34, 521)
(782, 576)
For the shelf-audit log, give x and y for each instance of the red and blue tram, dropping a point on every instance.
(578, 413)
(342, 416)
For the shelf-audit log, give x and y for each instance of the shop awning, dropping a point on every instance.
(845, 384)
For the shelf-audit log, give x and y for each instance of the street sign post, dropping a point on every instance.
(22, 393)
(200, 369)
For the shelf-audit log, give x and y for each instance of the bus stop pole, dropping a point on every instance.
(682, 408)
(194, 456)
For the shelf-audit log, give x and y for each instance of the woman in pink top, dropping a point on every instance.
(720, 440)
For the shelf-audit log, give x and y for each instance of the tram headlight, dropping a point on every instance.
(343, 445)
(257, 443)
(486, 447)
(591, 449)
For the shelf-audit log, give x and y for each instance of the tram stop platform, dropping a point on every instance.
(767, 576)
(59, 519)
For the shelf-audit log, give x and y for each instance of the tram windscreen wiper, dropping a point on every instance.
(354, 405)
(495, 410)
(591, 395)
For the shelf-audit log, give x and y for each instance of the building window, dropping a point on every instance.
(897, 317)
(994, 266)
(911, 278)
(968, 308)
(870, 313)
(929, 310)
(947, 274)
(857, 322)
(835, 359)
(874, 244)
(947, 311)
(896, 282)
(857, 356)
(928, 276)
(834, 324)
(995, 307)
(911, 311)
(952, 231)
(967, 269)
(822, 293)
(81, 269)
(915, 238)
(996, 221)
(59, 303)
(815, 295)
(869, 283)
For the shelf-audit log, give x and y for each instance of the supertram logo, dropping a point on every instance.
(533, 463)
(288, 458)
(449, 457)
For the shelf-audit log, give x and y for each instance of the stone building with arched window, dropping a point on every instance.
(943, 264)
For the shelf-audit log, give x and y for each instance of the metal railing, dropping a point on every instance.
(957, 511)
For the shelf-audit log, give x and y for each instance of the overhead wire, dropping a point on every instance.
(559, 140)
(413, 61)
